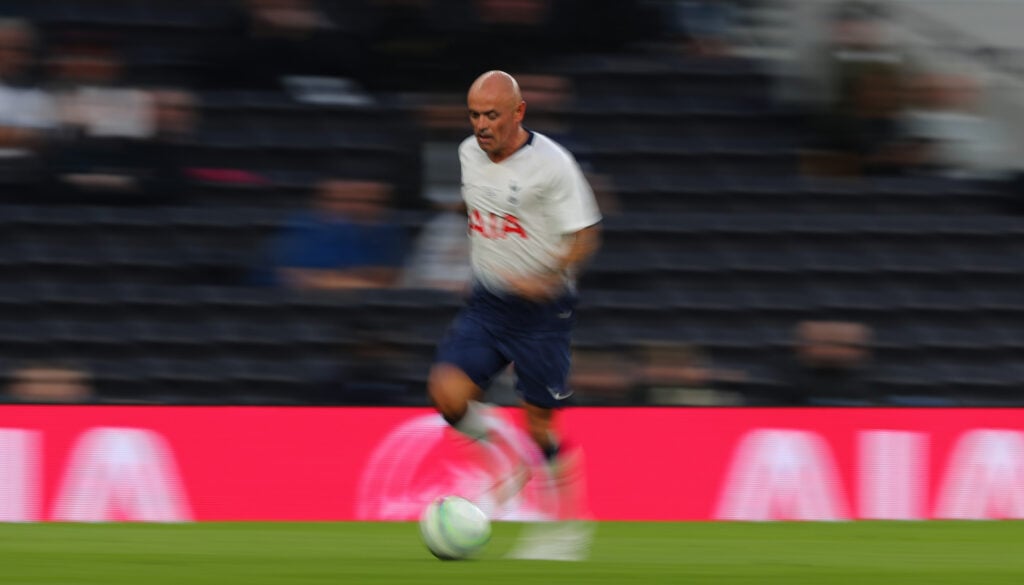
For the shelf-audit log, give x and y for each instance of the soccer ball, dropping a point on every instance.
(454, 528)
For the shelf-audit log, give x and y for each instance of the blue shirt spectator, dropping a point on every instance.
(347, 239)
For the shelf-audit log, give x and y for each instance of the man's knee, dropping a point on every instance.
(451, 390)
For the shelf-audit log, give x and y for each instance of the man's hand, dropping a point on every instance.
(536, 288)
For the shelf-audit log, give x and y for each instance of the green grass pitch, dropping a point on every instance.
(873, 553)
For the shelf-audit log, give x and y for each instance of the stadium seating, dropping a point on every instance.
(719, 244)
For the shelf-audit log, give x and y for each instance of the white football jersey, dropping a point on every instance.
(521, 209)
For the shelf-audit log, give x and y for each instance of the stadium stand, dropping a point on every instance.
(719, 244)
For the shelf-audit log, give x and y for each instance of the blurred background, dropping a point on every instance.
(808, 202)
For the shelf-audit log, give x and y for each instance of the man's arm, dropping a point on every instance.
(547, 286)
(584, 244)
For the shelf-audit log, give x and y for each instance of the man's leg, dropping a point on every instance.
(468, 357)
(538, 424)
(542, 367)
(564, 465)
(570, 536)
(456, 396)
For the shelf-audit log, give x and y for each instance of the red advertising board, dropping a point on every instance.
(109, 463)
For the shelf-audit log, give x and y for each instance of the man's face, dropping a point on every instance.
(495, 118)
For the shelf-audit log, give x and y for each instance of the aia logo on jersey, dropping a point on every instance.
(495, 227)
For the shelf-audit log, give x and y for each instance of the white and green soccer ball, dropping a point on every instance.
(454, 528)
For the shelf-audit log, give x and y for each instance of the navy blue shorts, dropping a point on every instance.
(494, 330)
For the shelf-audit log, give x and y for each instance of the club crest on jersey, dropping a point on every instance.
(495, 227)
(513, 189)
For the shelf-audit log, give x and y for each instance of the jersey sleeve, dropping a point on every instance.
(573, 206)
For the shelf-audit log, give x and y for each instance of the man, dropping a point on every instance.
(533, 222)
(346, 240)
(28, 114)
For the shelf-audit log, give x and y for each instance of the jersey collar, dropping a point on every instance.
(529, 142)
(529, 139)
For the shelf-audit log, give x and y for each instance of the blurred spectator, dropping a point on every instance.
(547, 96)
(163, 156)
(27, 113)
(171, 159)
(93, 97)
(347, 239)
(867, 124)
(102, 121)
(440, 255)
(957, 139)
(442, 115)
(681, 374)
(829, 364)
(858, 37)
(277, 39)
(702, 27)
(860, 128)
(49, 383)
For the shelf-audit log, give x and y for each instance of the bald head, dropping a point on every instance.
(498, 83)
(496, 110)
